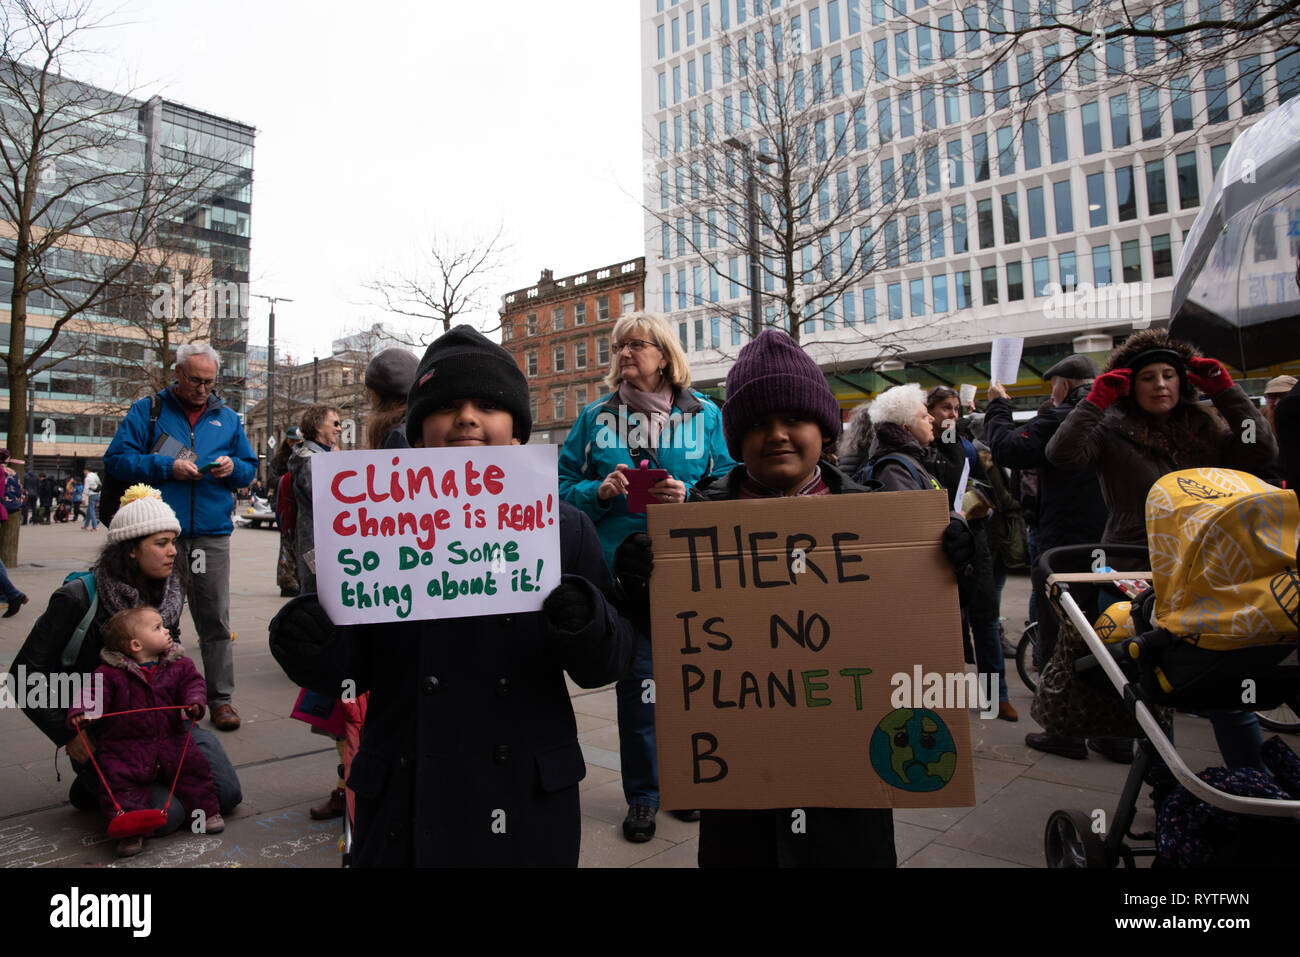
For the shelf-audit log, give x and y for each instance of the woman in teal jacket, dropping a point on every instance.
(651, 415)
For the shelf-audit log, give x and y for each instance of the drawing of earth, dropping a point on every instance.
(912, 750)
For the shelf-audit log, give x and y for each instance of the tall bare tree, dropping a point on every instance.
(82, 197)
(454, 277)
(828, 190)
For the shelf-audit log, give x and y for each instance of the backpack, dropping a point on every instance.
(13, 498)
(286, 506)
(869, 472)
(114, 488)
(73, 648)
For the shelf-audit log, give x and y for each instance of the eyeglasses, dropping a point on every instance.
(200, 383)
(636, 345)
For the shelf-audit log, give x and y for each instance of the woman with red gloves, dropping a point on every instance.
(1141, 420)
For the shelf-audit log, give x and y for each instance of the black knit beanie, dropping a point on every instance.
(772, 374)
(464, 364)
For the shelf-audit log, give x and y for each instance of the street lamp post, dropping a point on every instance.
(751, 214)
(270, 363)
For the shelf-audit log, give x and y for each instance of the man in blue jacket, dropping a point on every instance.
(200, 491)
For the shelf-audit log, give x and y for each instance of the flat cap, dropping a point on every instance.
(1077, 366)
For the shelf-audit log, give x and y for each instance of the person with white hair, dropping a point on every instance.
(189, 444)
(900, 458)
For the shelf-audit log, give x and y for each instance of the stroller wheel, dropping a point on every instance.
(1025, 657)
(1069, 842)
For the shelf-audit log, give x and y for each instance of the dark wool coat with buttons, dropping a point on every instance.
(469, 755)
(134, 750)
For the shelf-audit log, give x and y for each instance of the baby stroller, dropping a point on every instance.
(1221, 618)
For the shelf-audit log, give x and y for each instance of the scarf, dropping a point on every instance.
(117, 596)
(655, 406)
(753, 488)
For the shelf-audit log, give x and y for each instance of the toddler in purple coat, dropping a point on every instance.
(143, 669)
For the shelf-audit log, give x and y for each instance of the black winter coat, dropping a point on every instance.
(835, 837)
(1071, 510)
(1287, 416)
(469, 755)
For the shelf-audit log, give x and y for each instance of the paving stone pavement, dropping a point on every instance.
(285, 769)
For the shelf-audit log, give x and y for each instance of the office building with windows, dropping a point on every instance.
(1044, 193)
(558, 331)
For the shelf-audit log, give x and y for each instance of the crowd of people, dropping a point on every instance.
(467, 717)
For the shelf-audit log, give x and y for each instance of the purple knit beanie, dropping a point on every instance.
(772, 374)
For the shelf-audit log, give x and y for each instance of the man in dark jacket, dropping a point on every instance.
(48, 489)
(1071, 510)
(32, 490)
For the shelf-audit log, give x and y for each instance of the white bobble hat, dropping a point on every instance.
(143, 512)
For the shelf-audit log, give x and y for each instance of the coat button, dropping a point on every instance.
(430, 685)
(503, 687)
(500, 754)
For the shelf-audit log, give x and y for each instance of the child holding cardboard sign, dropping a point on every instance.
(778, 420)
(469, 754)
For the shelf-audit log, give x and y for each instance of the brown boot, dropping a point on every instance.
(333, 807)
(1006, 712)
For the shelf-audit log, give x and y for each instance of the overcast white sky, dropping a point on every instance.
(384, 123)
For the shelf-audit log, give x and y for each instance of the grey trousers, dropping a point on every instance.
(208, 591)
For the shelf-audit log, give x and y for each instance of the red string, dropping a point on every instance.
(179, 762)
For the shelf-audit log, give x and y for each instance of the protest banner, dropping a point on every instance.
(408, 534)
(808, 653)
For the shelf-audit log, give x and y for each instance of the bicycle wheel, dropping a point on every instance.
(1025, 657)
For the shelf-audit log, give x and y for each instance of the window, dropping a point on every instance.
(916, 295)
(557, 318)
(970, 17)
(880, 50)
(557, 403)
(924, 50)
(1091, 128)
(952, 101)
(910, 179)
(1033, 153)
(559, 359)
(1041, 276)
(906, 124)
(959, 240)
(602, 305)
(602, 350)
(531, 324)
(580, 397)
(850, 304)
(1037, 212)
(915, 252)
(984, 216)
(1001, 86)
(1218, 153)
(989, 280)
(580, 354)
(1052, 68)
(1064, 207)
(1288, 74)
(1086, 60)
(1162, 260)
(532, 396)
(869, 305)
(1173, 20)
(961, 288)
(1006, 152)
(531, 358)
(663, 90)
(1125, 196)
(1189, 188)
(1057, 142)
(936, 234)
(580, 309)
(1216, 94)
(891, 244)
(933, 181)
(929, 116)
(887, 194)
(955, 164)
(1157, 197)
(1069, 271)
(902, 56)
(1010, 218)
(1114, 53)
(856, 75)
(628, 302)
(1131, 260)
(947, 42)
(975, 80)
(1100, 265)
(980, 148)
(1015, 282)
(1119, 124)
(1025, 74)
(939, 293)
(1096, 199)
(1181, 96)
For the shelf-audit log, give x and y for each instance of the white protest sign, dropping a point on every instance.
(408, 534)
(1005, 361)
(967, 393)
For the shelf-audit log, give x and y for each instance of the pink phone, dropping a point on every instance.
(638, 486)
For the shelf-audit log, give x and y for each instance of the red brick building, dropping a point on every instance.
(558, 331)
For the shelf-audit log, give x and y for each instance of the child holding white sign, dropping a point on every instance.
(779, 420)
(469, 755)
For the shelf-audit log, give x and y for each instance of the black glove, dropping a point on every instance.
(300, 630)
(569, 608)
(634, 560)
(958, 544)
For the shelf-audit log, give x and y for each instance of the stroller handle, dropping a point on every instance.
(1070, 557)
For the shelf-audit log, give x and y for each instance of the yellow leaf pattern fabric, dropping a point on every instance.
(1223, 556)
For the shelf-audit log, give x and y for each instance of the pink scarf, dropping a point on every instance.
(655, 406)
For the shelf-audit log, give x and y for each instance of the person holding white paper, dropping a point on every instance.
(469, 755)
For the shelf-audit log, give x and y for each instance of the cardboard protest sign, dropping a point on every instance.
(407, 534)
(807, 653)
